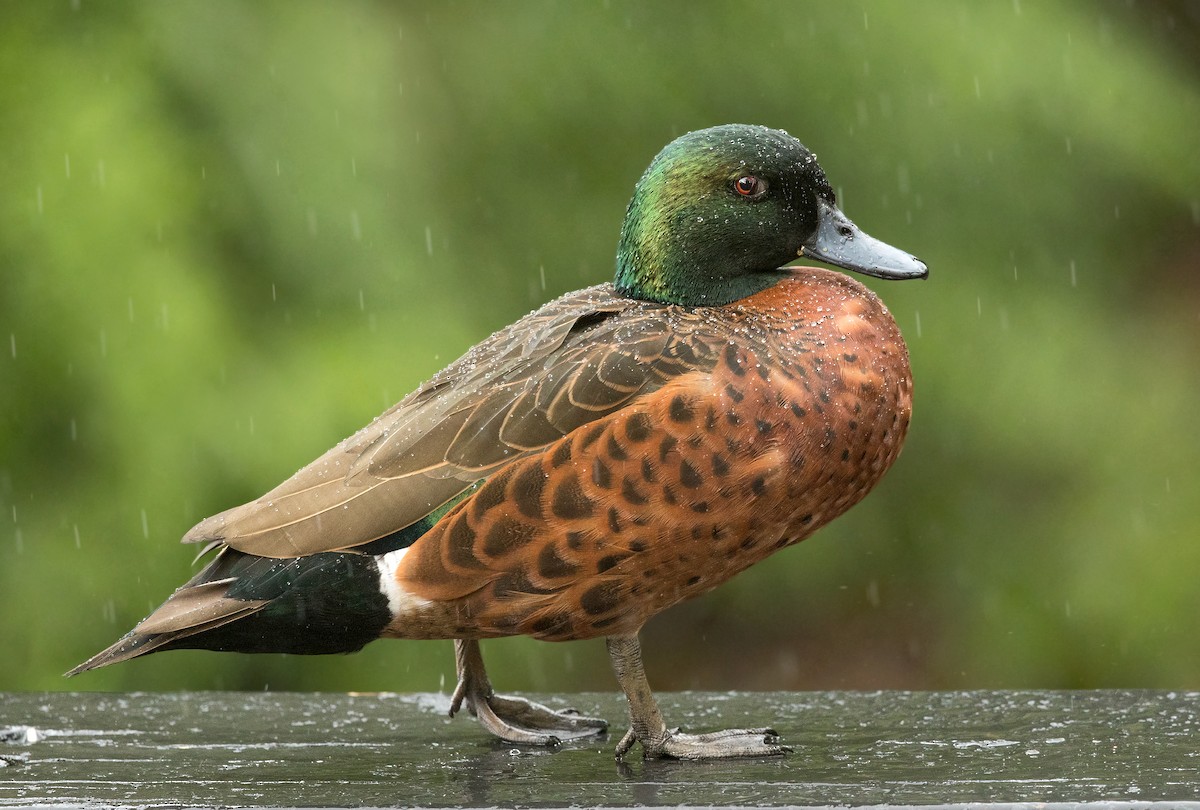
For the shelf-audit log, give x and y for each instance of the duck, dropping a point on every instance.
(619, 450)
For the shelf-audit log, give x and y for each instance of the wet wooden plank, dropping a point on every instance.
(1101, 749)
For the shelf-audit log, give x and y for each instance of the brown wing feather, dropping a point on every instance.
(574, 360)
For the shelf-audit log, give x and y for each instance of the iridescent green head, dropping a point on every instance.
(721, 210)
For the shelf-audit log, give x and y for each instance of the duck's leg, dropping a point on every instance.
(512, 719)
(646, 722)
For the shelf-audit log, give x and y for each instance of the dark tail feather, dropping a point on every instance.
(323, 603)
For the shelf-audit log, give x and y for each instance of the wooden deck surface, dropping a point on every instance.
(219, 749)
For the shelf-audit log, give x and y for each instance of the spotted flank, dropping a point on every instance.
(622, 449)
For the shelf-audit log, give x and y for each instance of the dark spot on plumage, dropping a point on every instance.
(850, 357)
(527, 490)
(717, 532)
(608, 561)
(590, 435)
(649, 573)
(648, 473)
(637, 546)
(806, 519)
(719, 465)
(689, 476)
(631, 493)
(733, 359)
(762, 427)
(460, 545)
(669, 495)
(667, 445)
(506, 536)
(799, 412)
(516, 583)
(552, 566)
(758, 486)
(599, 599)
(733, 419)
(614, 450)
(600, 624)
(490, 495)
(710, 419)
(575, 540)
(601, 477)
(697, 532)
(561, 455)
(824, 395)
(614, 521)
(734, 393)
(638, 427)
(764, 371)
(692, 580)
(700, 506)
(748, 543)
(845, 455)
(570, 502)
(781, 542)
(852, 424)
(680, 409)
(558, 624)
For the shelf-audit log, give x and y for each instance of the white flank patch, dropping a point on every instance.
(400, 602)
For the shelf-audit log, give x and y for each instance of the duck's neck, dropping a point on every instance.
(667, 255)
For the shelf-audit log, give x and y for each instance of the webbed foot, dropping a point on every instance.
(646, 724)
(727, 744)
(513, 719)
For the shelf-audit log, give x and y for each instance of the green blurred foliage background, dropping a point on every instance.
(235, 232)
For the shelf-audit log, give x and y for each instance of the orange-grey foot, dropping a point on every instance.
(513, 719)
(646, 725)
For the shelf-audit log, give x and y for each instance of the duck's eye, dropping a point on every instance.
(750, 186)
